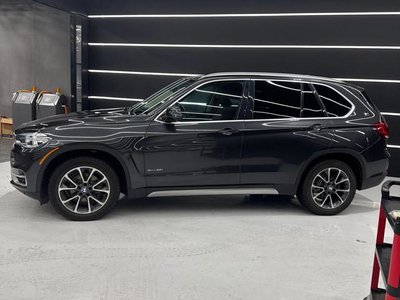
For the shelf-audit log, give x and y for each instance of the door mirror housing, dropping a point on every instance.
(173, 114)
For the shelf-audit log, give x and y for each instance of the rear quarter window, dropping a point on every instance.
(335, 104)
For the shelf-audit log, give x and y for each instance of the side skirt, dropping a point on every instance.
(216, 191)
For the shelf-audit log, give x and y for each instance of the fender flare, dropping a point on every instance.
(131, 173)
(337, 151)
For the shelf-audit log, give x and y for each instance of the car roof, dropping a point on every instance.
(290, 76)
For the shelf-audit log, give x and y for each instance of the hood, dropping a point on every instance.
(82, 119)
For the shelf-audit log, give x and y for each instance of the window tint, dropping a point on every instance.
(311, 106)
(335, 104)
(276, 99)
(213, 101)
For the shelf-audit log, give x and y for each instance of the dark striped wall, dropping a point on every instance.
(370, 67)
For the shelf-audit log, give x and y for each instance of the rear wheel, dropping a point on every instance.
(83, 189)
(328, 188)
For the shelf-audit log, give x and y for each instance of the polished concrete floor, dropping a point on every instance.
(186, 248)
(5, 148)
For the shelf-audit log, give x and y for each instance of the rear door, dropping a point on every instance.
(287, 126)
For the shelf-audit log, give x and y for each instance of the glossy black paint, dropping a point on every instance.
(152, 155)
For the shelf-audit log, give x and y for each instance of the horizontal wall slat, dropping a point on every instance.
(130, 86)
(385, 95)
(359, 30)
(235, 6)
(328, 62)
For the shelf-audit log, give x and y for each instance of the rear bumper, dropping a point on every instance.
(375, 173)
(376, 164)
(373, 181)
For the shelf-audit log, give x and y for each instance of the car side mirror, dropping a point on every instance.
(173, 114)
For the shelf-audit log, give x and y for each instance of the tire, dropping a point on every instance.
(328, 196)
(84, 189)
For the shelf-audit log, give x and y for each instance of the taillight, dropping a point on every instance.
(382, 129)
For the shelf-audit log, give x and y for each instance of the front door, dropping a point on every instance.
(204, 147)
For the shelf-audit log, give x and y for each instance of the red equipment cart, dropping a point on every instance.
(387, 256)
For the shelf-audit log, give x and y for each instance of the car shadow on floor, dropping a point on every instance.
(195, 206)
(227, 204)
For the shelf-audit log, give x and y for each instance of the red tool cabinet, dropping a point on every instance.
(387, 256)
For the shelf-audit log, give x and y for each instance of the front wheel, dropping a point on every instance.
(83, 189)
(328, 188)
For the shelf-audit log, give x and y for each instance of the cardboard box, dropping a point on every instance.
(6, 126)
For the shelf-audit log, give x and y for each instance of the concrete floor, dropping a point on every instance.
(186, 248)
(5, 148)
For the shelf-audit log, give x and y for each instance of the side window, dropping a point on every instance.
(311, 107)
(213, 101)
(335, 104)
(276, 99)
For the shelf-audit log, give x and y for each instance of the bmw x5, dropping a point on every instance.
(226, 133)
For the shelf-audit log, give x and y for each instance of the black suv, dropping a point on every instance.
(226, 133)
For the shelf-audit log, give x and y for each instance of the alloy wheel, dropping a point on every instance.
(84, 190)
(330, 188)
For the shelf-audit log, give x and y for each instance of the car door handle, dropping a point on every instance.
(316, 127)
(228, 131)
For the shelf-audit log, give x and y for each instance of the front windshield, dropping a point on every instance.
(148, 105)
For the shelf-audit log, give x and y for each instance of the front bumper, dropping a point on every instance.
(26, 172)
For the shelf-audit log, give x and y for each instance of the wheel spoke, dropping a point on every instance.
(340, 198)
(102, 191)
(331, 201)
(88, 204)
(69, 199)
(70, 180)
(343, 190)
(68, 189)
(319, 175)
(343, 180)
(81, 174)
(322, 204)
(329, 174)
(316, 196)
(95, 199)
(317, 187)
(97, 183)
(77, 204)
(90, 175)
(337, 177)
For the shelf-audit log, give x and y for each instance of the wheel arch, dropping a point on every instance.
(115, 160)
(354, 160)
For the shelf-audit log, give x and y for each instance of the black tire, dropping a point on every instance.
(337, 193)
(108, 192)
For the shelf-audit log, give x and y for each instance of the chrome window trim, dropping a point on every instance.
(262, 120)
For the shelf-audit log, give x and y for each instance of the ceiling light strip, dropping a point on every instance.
(394, 146)
(362, 47)
(273, 15)
(115, 98)
(193, 75)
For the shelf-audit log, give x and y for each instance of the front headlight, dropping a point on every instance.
(32, 139)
